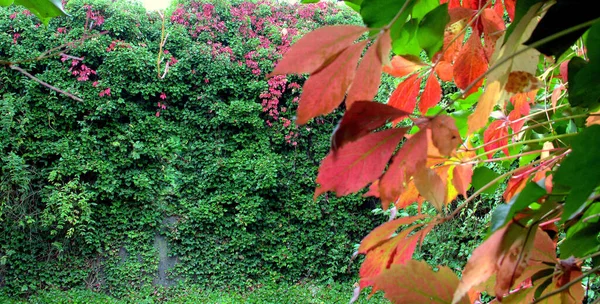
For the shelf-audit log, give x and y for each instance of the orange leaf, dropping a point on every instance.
(409, 196)
(470, 64)
(325, 90)
(481, 265)
(444, 70)
(493, 28)
(384, 231)
(462, 178)
(396, 250)
(445, 134)
(593, 119)
(405, 164)
(518, 242)
(496, 133)
(362, 118)
(316, 48)
(368, 75)
(431, 95)
(521, 82)
(404, 96)
(374, 191)
(416, 282)
(484, 107)
(431, 186)
(445, 173)
(402, 66)
(355, 165)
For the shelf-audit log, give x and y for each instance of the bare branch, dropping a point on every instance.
(20, 70)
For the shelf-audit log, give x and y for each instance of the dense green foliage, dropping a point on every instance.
(269, 294)
(196, 156)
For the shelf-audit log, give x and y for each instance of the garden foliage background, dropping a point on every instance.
(207, 156)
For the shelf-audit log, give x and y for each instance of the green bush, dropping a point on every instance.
(207, 156)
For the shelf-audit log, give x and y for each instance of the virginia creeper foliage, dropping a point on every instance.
(509, 55)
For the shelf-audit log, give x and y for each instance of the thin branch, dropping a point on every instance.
(404, 6)
(20, 70)
(528, 128)
(527, 48)
(549, 138)
(567, 286)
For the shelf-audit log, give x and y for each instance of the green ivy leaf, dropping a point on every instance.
(406, 42)
(43, 9)
(378, 13)
(354, 4)
(584, 89)
(6, 2)
(582, 238)
(309, 1)
(531, 193)
(481, 177)
(563, 15)
(575, 173)
(431, 29)
(423, 7)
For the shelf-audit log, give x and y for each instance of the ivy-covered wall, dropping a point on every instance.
(206, 159)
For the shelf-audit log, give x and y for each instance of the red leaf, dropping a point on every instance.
(316, 48)
(564, 70)
(521, 82)
(481, 265)
(396, 250)
(444, 70)
(402, 66)
(384, 232)
(416, 282)
(495, 132)
(355, 165)
(470, 64)
(461, 180)
(362, 118)
(431, 95)
(431, 186)
(493, 28)
(517, 242)
(374, 191)
(484, 107)
(325, 90)
(405, 164)
(444, 134)
(405, 95)
(368, 75)
(409, 196)
(521, 108)
(451, 3)
(510, 8)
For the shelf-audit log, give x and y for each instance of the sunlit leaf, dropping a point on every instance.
(431, 186)
(358, 163)
(416, 282)
(445, 136)
(431, 29)
(325, 90)
(403, 65)
(405, 95)
(384, 231)
(43, 9)
(481, 265)
(362, 118)
(405, 164)
(470, 64)
(431, 94)
(317, 48)
(495, 136)
(368, 75)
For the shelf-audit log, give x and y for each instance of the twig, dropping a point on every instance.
(566, 286)
(51, 87)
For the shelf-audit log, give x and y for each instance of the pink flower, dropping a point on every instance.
(163, 96)
(95, 84)
(157, 113)
(206, 80)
